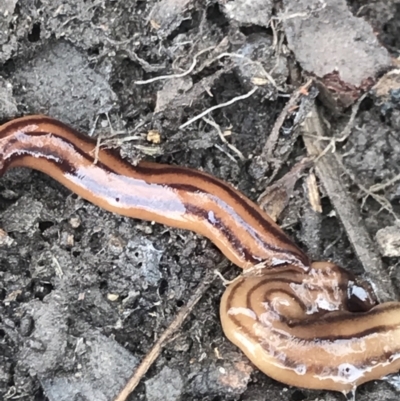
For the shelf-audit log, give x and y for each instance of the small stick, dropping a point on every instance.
(155, 351)
(218, 106)
(273, 137)
(384, 185)
(346, 131)
(207, 63)
(223, 139)
(183, 74)
(329, 172)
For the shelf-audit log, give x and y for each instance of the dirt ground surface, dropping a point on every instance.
(84, 293)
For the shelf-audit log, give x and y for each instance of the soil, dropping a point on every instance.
(85, 293)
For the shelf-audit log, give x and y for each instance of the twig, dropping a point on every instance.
(276, 196)
(218, 106)
(273, 137)
(221, 149)
(285, 16)
(379, 187)
(99, 138)
(93, 129)
(183, 74)
(329, 172)
(274, 33)
(250, 61)
(346, 131)
(171, 329)
(369, 192)
(209, 62)
(223, 139)
(145, 65)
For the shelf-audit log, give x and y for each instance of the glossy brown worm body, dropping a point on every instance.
(174, 196)
(319, 330)
(310, 325)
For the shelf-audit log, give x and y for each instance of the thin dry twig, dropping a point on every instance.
(344, 135)
(267, 75)
(275, 34)
(222, 150)
(384, 185)
(181, 75)
(285, 16)
(113, 138)
(276, 196)
(167, 334)
(99, 139)
(369, 192)
(132, 54)
(206, 64)
(223, 139)
(329, 172)
(272, 140)
(218, 106)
